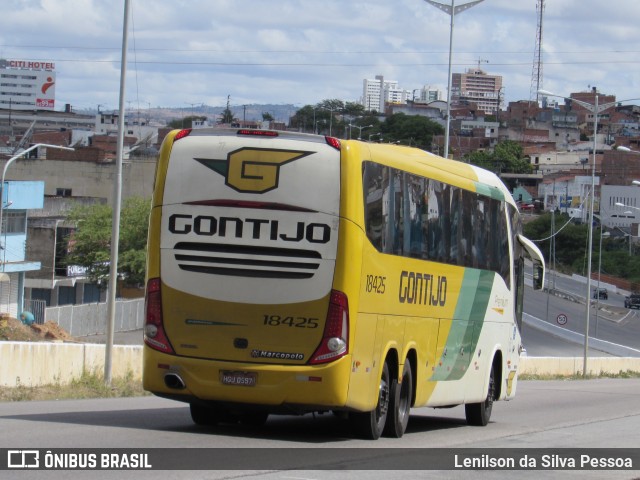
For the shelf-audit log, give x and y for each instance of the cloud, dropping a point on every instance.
(304, 51)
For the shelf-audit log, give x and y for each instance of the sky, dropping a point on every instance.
(184, 53)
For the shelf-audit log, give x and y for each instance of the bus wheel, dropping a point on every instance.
(478, 414)
(202, 415)
(400, 404)
(211, 415)
(369, 425)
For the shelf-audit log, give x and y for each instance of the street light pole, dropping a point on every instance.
(450, 10)
(595, 108)
(117, 200)
(4, 173)
(359, 130)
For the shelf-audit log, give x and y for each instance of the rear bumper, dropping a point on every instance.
(302, 387)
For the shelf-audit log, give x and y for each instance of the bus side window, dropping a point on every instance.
(455, 221)
(372, 183)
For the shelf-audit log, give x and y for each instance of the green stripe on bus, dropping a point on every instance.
(466, 326)
(489, 191)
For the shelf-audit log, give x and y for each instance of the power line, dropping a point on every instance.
(346, 52)
(323, 64)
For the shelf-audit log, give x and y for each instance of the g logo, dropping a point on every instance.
(253, 170)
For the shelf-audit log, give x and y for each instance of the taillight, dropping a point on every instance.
(182, 134)
(333, 142)
(154, 334)
(335, 339)
(257, 133)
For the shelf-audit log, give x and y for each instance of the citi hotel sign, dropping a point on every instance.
(27, 64)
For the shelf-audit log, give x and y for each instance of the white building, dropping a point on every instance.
(569, 194)
(620, 206)
(377, 92)
(27, 85)
(430, 94)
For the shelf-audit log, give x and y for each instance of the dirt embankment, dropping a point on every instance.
(12, 329)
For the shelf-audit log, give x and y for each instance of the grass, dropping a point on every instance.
(89, 385)
(579, 376)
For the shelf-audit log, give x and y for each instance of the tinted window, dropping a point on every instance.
(417, 217)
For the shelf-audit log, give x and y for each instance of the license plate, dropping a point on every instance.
(243, 379)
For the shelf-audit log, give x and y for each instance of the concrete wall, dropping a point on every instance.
(41, 363)
(573, 365)
(89, 179)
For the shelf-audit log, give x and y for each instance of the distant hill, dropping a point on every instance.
(279, 112)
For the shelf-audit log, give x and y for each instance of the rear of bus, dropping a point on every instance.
(241, 307)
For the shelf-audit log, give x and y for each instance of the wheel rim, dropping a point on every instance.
(491, 393)
(404, 403)
(383, 400)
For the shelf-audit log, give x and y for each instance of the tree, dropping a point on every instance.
(571, 248)
(267, 117)
(186, 122)
(227, 114)
(507, 156)
(303, 119)
(90, 244)
(354, 109)
(413, 130)
(335, 105)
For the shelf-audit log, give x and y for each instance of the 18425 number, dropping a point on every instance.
(375, 284)
(300, 322)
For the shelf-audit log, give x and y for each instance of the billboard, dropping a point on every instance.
(27, 85)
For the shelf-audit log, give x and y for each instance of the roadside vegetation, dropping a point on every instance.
(350, 120)
(571, 247)
(89, 385)
(578, 376)
(90, 244)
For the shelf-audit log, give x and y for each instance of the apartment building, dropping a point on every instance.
(378, 92)
(476, 86)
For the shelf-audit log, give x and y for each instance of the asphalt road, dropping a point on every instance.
(552, 415)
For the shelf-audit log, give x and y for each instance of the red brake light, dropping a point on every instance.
(335, 339)
(154, 334)
(182, 134)
(333, 142)
(258, 133)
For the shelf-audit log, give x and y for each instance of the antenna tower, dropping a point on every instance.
(536, 73)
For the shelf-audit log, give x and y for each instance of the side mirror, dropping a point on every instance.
(538, 275)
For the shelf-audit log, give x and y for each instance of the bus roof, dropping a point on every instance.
(453, 172)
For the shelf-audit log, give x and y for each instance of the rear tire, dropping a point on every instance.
(254, 419)
(370, 425)
(210, 415)
(202, 415)
(400, 404)
(478, 414)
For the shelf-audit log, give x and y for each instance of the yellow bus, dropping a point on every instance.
(292, 273)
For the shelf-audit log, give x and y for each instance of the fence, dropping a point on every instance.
(91, 318)
(38, 308)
